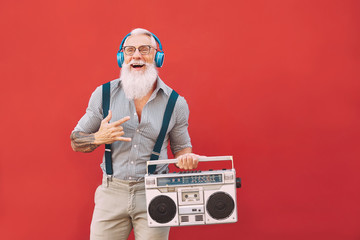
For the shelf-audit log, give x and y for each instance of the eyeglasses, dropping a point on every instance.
(130, 50)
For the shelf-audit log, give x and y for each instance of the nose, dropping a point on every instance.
(137, 54)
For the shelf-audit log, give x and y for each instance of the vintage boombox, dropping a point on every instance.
(191, 197)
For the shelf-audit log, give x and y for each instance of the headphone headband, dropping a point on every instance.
(129, 34)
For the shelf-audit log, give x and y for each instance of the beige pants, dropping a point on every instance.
(119, 207)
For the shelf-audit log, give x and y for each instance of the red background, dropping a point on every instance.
(273, 83)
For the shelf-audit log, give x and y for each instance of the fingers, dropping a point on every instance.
(124, 139)
(108, 117)
(195, 162)
(120, 121)
(188, 161)
(117, 134)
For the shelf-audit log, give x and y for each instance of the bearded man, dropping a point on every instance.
(137, 103)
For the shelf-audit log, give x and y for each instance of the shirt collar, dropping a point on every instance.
(161, 85)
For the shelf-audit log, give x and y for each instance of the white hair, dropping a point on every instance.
(141, 31)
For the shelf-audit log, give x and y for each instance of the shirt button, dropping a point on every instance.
(132, 162)
(135, 146)
(130, 178)
(135, 114)
(137, 130)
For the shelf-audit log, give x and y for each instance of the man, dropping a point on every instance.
(137, 103)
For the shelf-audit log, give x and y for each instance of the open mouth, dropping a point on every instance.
(137, 66)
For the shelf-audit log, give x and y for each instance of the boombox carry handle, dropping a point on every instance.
(201, 159)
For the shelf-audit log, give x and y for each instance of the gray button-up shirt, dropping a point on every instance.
(129, 158)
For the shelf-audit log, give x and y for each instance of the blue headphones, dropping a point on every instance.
(159, 57)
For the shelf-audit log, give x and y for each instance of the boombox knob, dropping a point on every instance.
(238, 182)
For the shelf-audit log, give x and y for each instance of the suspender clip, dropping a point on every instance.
(108, 179)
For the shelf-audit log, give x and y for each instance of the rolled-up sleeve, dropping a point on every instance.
(179, 135)
(90, 122)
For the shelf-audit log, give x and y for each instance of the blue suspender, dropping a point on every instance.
(165, 124)
(160, 139)
(106, 106)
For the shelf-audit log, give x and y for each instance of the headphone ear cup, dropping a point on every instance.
(159, 59)
(120, 58)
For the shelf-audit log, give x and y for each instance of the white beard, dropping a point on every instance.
(137, 84)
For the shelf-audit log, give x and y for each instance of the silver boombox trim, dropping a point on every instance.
(192, 197)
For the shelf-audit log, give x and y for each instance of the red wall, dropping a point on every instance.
(273, 83)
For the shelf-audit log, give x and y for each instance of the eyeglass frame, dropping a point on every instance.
(137, 48)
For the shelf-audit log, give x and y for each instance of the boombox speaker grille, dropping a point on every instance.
(220, 205)
(162, 209)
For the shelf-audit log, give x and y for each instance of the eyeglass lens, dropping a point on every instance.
(130, 50)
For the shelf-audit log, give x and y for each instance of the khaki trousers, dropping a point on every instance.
(119, 207)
